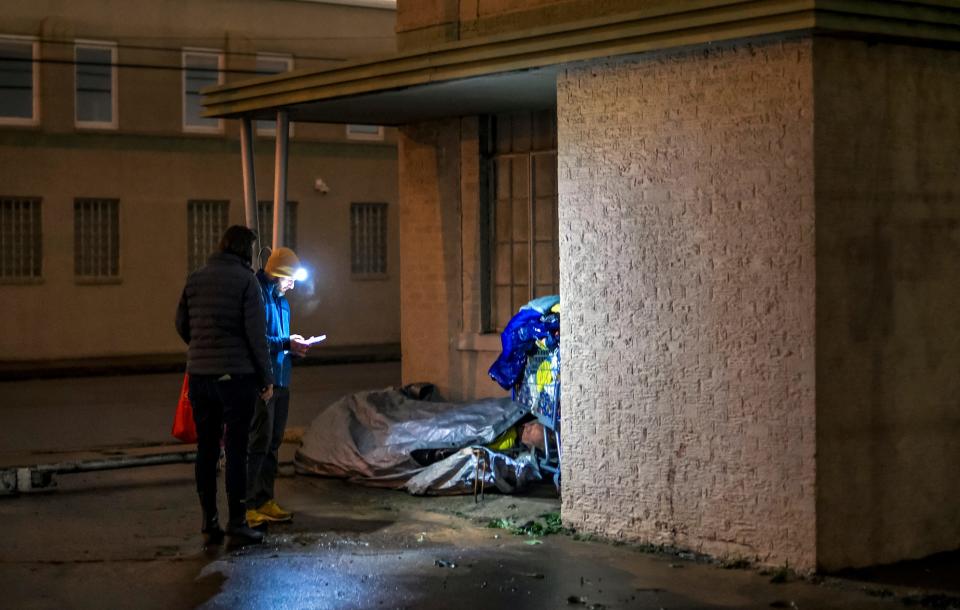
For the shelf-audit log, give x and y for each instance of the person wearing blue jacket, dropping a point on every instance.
(277, 277)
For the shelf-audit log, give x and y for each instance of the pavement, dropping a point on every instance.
(129, 538)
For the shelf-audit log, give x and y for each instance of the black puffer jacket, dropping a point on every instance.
(221, 318)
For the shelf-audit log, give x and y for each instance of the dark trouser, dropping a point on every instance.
(266, 436)
(222, 409)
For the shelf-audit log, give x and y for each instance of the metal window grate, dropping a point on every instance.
(96, 238)
(20, 238)
(368, 238)
(206, 223)
(265, 224)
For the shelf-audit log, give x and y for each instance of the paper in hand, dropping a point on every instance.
(314, 339)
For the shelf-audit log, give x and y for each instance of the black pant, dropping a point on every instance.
(266, 436)
(222, 408)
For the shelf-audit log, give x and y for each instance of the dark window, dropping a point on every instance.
(20, 238)
(206, 223)
(368, 239)
(96, 238)
(17, 80)
(265, 224)
(520, 228)
(94, 82)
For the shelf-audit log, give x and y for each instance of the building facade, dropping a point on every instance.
(754, 216)
(113, 186)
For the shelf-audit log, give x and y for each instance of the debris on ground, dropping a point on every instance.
(545, 525)
(779, 575)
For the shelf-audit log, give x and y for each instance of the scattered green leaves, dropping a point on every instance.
(544, 525)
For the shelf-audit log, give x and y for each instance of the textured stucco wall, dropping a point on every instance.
(687, 273)
(888, 323)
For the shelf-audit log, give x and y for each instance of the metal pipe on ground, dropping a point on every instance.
(41, 477)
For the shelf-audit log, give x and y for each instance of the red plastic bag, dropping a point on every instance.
(184, 428)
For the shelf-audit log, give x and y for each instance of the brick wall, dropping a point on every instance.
(441, 274)
(421, 23)
(888, 325)
(687, 273)
(429, 191)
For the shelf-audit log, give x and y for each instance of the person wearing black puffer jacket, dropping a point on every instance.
(221, 318)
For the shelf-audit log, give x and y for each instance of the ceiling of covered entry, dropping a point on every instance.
(504, 92)
(518, 70)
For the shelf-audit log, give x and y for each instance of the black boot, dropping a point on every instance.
(240, 533)
(211, 530)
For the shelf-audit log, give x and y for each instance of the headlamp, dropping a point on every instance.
(300, 274)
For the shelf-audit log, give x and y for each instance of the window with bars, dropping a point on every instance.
(368, 239)
(96, 238)
(95, 82)
(265, 224)
(21, 255)
(206, 223)
(18, 80)
(521, 225)
(201, 69)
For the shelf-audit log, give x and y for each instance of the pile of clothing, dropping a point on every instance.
(529, 364)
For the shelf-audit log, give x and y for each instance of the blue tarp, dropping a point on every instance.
(520, 338)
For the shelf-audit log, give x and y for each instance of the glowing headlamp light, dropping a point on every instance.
(300, 274)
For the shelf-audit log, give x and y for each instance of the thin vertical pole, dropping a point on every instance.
(249, 177)
(280, 180)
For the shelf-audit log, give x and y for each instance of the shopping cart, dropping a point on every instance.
(539, 390)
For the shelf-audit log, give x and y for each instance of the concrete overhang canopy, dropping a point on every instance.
(518, 71)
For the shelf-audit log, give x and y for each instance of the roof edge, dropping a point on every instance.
(669, 25)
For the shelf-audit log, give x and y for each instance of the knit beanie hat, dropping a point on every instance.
(282, 263)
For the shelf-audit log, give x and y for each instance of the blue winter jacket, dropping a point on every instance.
(277, 311)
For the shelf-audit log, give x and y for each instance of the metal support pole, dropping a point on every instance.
(280, 179)
(249, 175)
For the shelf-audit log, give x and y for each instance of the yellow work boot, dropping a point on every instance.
(255, 518)
(272, 511)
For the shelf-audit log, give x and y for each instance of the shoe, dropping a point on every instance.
(211, 530)
(255, 518)
(243, 535)
(213, 537)
(273, 512)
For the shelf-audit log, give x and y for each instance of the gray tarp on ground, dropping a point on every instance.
(457, 473)
(369, 437)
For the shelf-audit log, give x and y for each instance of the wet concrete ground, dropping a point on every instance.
(129, 539)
